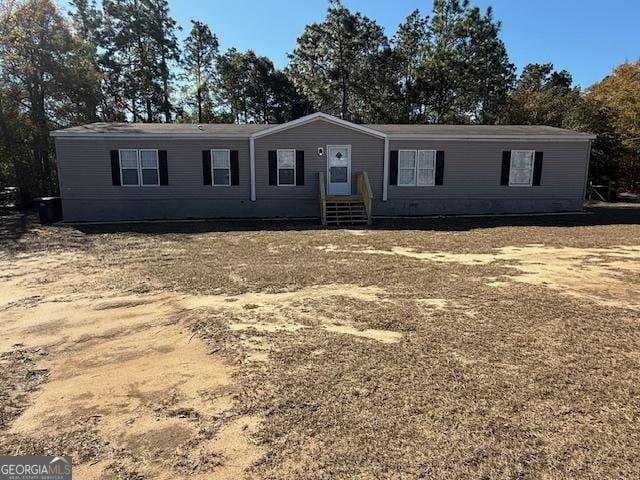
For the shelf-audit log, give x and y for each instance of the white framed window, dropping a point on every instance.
(426, 168)
(139, 168)
(221, 168)
(129, 172)
(521, 170)
(406, 168)
(416, 167)
(149, 171)
(286, 167)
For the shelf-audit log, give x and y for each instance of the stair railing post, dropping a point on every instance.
(364, 189)
(322, 194)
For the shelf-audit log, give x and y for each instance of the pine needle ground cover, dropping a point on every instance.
(442, 348)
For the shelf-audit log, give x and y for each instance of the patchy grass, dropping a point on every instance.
(444, 348)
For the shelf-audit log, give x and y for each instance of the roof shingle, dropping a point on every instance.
(245, 130)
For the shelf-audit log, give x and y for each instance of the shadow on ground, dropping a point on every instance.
(14, 224)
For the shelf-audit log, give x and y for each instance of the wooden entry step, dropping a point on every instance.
(343, 198)
(346, 212)
(346, 209)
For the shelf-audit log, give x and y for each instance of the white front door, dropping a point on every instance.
(339, 169)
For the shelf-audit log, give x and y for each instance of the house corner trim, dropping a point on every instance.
(252, 167)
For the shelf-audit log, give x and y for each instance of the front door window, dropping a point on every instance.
(339, 170)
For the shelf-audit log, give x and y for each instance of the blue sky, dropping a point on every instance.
(586, 37)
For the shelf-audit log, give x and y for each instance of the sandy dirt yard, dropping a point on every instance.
(432, 349)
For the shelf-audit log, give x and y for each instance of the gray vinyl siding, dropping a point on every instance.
(472, 179)
(472, 169)
(367, 154)
(84, 169)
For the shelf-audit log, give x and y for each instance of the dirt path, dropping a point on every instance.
(597, 274)
(124, 373)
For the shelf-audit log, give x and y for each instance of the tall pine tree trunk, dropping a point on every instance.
(40, 137)
(199, 99)
(11, 145)
(149, 109)
(134, 105)
(344, 107)
(199, 86)
(165, 87)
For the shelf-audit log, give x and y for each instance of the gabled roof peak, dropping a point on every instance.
(315, 117)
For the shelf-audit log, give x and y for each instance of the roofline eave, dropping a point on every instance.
(132, 135)
(493, 138)
(318, 116)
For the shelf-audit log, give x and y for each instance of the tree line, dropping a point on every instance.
(121, 61)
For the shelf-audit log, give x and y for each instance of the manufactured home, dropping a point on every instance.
(317, 166)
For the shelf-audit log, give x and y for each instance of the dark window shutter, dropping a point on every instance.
(506, 166)
(234, 163)
(115, 167)
(206, 167)
(299, 167)
(537, 168)
(273, 167)
(163, 167)
(439, 167)
(393, 167)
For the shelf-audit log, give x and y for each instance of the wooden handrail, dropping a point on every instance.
(364, 189)
(322, 195)
(322, 190)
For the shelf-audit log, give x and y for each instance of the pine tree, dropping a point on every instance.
(45, 72)
(122, 58)
(542, 96)
(139, 47)
(16, 159)
(287, 103)
(334, 63)
(465, 74)
(199, 64)
(232, 88)
(255, 91)
(162, 31)
(489, 73)
(409, 47)
(443, 72)
(87, 24)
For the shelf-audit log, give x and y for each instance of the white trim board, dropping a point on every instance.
(252, 168)
(385, 170)
(315, 117)
(144, 136)
(491, 138)
(398, 136)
